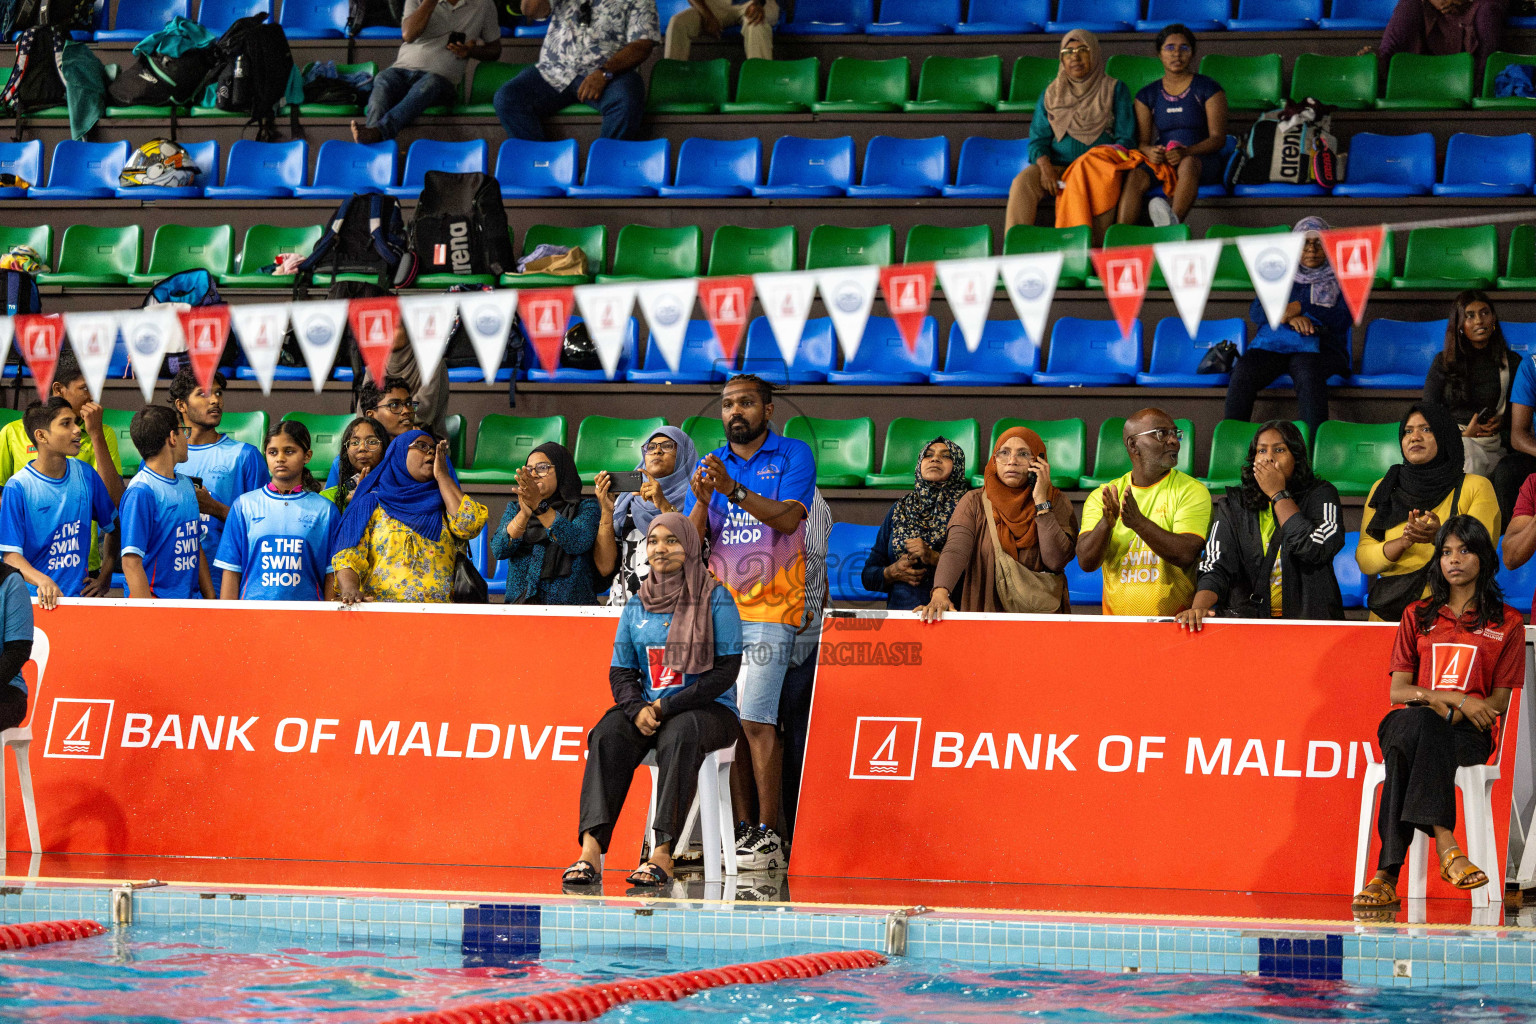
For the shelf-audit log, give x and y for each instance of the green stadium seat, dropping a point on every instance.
(262, 244)
(502, 444)
(1229, 450)
(645, 254)
(1520, 272)
(926, 242)
(844, 449)
(325, 435)
(736, 250)
(117, 420)
(489, 76)
(458, 441)
(608, 443)
(1134, 71)
(9, 416)
(39, 237)
(250, 427)
(90, 256)
(1497, 63)
(958, 85)
(1353, 456)
(1346, 82)
(179, 247)
(1422, 82)
(1073, 243)
(859, 86)
(832, 246)
(1137, 234)
(1030, 77)
(592, 240)
(1111, 461)
(1066, 448)
(1231, 271)
(689, 86)
(775, 87)
(1251, 83)
(706, 432)
(905, 440)
(1450, 258)
(314, 109)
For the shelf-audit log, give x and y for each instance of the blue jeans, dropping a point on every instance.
(767, 649)
(400, 95)
(523, 104)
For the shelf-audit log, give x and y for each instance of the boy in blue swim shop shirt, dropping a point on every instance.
(227, 467)
(161, 536)
(48, 506)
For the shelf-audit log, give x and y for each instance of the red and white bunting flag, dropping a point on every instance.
(487, 319)
(1354, 253)
(428, 321)
(374, 321)
(667, 306)
(1271, 261)
(1030, 281)
(849, 295)
(92, 337)
(545, 313)
(1189, 268)
(1124, 272)
(319, 328)
(786, 299)
(39, 338)
(149, 333)
(969, 287)
(908, 291)
(259, 331)
(727, 303)
(605, 309)
(206, 329)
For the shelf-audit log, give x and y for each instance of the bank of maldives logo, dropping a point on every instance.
(885, 748)
(78, 728)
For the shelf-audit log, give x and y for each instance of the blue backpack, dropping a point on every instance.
(366, 235)
(1515, 80)
(193, 287)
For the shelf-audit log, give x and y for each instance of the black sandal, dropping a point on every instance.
(581, 873)
(648, 875)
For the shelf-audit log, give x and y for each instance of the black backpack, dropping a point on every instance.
(363, 14)
(157, 79)
(366, 235)
(61, 14)
(460, 225)
(20, 293)
(250, 74)
(36, 82)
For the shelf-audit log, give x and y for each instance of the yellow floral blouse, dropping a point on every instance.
(395, 563)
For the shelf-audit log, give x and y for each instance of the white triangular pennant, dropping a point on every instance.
(319, 326)
(92, 336)
(428, 321)
(605, 309)
(1271, 261)
(849, 294)
(487, 319)
(259, 330)
(969, 286)
(149, 333)
(1188, 270)
(786, 299)
(667, 306)
(1031, 284)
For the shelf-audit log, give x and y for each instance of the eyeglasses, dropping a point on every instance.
(1075, 51)
(397, 406)
(368, 444)
(1011, 456)
(424, 447)
(1176, 48)
(542, 469)
(1313, 243)
(1163, 434)
(660, 447)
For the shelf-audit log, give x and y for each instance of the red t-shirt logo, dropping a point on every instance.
(1453, 666)
(662, 678)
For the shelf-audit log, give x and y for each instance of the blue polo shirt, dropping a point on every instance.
(1524, 390)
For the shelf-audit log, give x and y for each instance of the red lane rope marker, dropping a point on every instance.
(38, 933)
(588, 1001)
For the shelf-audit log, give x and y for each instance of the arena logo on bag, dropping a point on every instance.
(885, 748)
(1453, 665)
(82, 726)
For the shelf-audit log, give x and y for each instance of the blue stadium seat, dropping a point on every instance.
(1276, 15)
(1213, 171)
(1385, 166)
(431, 155)
(1520, 337)
(1517, 584)
(1358, 15)
(1398, 353)
(204, 156)
(262, 170)
(530, 29)
(495, 572)
(1004, 357)
(566, 375)
(829, 17)
(883, 358)
(1095, 16)
(313, 19)
(808, 168)
(83, 170)
(217, 15)
(702, 360)
(536, 170)
(1176, 356)
(1091, 354)
(1352, 582)
(988, 166)
(1084, 588)
(903, 168)
(814, 359)
(1196, 15)
(139, 18)
(915, 18)
(617, 169)
(1005, 17)
(1488, 165)
(342, 168)
(23, 159)
(716, 168)
(848, 548)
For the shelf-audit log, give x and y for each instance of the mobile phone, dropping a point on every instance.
(1029, 482)
(628, 481)
(455, 37)
(197, 481)
(1484, 414)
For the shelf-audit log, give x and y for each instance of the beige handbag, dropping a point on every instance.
(1021, 590)
(573, 263)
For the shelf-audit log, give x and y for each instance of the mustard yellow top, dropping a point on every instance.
(395, 563)
(1477, 500)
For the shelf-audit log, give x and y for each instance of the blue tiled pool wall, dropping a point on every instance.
(498, 933)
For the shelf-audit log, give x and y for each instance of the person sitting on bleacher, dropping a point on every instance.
(910, 540)
(1443, 27)
(362, 449)
(710, 17)
(1405, 508)
(589, 56)
(1081, 108)
(439, 37)
(668, 460)
(1311, 343)
(428, 395)
(1270, 550)
(1008, 540)
(392, 407)
(1180, 119)
(548, 531)
(1473, 376)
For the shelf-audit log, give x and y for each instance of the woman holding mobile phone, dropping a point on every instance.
(668, 458)
(1472, 376)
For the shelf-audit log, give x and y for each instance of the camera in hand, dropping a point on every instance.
(627, 481)
(455, 37)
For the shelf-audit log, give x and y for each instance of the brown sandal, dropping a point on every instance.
(1472, 878)
(1378, 892)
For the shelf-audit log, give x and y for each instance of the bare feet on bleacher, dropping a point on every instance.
(366, 135)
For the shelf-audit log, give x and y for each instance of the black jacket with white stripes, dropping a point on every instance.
(1234, 566)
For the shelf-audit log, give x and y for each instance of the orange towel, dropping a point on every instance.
(1092, 183)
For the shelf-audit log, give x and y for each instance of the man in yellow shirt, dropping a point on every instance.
(1147, 528)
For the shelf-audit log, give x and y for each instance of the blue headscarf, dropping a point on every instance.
(673, 487)
(417, 504)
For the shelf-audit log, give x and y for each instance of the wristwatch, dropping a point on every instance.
(738, 495)
(607, 75)
(1043, 506)
(1280, 496)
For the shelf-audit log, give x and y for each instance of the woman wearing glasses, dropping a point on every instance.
(362, 449)
(404, 526)
(1181, 119)
(667, 460)
(1311, 343)
(548, 533)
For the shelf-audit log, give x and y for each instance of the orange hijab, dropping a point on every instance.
(1013, 508)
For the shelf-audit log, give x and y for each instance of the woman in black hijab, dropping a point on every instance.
(547, 533)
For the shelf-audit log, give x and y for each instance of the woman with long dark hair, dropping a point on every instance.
(362, 449)
(1472, 376)
(1459, 655)
(1270, 550)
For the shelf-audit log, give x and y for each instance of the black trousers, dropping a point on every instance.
(615, 749)
(1257, 368)
(1422, 754)
(13, 707)
(1508, 475)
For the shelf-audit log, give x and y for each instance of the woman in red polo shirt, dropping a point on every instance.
(1459, 655)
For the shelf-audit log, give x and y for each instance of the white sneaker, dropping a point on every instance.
(1161, 212)
(760, 850)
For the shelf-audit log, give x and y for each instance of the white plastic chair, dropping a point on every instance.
(711, 804)
(1476, 785)
(19, 742)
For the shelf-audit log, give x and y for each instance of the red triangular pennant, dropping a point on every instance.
(206, 329)
(1124, 272)
(545, 313)
(908, 290)
(727, 303)
(373, 329)
(39, 337)
(1353, 253)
